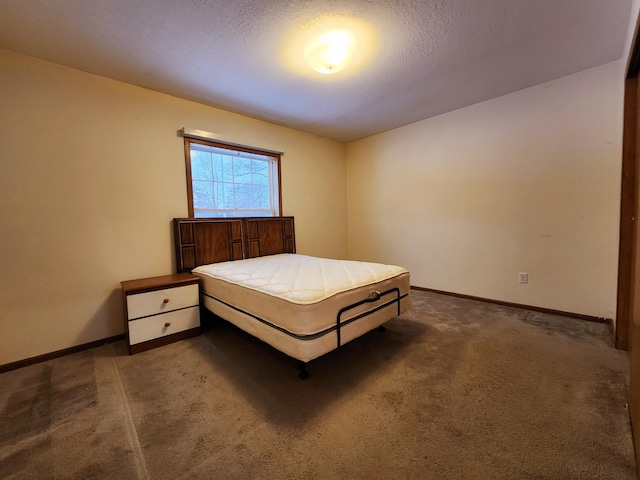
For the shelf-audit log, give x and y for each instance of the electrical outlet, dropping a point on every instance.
(523, 277)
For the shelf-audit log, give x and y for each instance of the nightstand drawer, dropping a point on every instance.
(161, 301)
(150, 328)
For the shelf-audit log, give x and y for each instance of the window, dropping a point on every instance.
(230, 181)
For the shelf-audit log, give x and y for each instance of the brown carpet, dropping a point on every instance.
(454, 389)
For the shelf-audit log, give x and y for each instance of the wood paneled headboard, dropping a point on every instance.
(200, 241)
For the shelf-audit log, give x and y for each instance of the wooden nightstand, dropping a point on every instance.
(160, 310)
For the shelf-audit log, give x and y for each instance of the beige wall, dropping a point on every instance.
(528, 182)
(92, 174)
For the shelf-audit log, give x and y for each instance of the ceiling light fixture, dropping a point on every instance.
(329, 44)
(331, 53)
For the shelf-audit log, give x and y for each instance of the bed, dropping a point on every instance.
(304, 306)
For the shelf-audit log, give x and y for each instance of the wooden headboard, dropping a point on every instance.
(200, 241)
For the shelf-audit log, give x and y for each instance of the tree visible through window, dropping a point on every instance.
(228, 181)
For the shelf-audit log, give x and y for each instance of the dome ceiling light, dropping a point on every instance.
(329, 44)
(332, 53)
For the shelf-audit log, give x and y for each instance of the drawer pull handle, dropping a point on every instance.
(167, 324)
(166, 300)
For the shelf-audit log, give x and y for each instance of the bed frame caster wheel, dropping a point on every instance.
(382, 328)
(303, 373)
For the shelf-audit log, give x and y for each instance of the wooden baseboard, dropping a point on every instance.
(60, 353)
(550, 311)
(78, 348)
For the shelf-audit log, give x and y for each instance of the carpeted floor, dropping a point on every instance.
(454, 389)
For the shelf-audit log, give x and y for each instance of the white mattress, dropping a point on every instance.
(299, 278)
(292, 301)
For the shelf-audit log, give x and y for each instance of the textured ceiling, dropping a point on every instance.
(426, 57)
